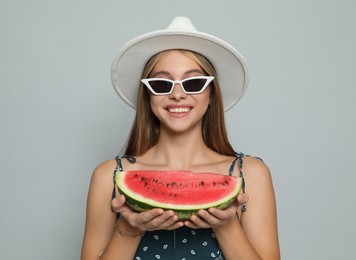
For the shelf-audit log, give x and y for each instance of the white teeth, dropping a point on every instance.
(178, 109)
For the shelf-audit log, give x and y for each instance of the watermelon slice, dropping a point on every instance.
(184, 192)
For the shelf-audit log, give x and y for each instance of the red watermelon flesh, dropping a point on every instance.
(184, 192)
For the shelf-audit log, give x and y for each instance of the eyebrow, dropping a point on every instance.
(166, 73)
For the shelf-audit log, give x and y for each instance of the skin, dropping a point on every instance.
(251, 235)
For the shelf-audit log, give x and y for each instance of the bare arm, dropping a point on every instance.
(100, 220)
(100, 237)
(255, 235)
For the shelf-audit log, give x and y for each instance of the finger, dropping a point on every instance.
(167, 218)
(215, 217)
(223, 214)
(170, 219)
(242, 198)
(198, 221)
(162, 221)
(167, 222)
(117, 203)
(190, 224)
(149, 215)
(142, 219)
(176, 225)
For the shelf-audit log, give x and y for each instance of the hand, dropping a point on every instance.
(154, 219)
(214, 217)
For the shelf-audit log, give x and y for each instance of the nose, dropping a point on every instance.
(177, 92)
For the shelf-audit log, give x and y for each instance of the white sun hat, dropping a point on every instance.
(131, 59)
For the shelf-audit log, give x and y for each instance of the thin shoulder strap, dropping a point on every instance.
(118, 165)
(232, 166)
(240, 156)
(119, 168)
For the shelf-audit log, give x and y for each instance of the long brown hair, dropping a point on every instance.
(146, 126)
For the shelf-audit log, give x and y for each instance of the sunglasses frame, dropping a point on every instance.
(146, 82)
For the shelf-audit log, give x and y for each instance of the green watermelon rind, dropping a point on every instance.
(140, 204)
(182, 214)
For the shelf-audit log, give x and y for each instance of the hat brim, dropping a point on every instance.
(131, 59)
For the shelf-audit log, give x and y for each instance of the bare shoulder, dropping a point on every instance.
(104, 172)
(255, 169)
(258, 184)
(99, 216)
(106, 165)
(260, 220)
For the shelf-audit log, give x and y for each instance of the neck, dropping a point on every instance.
(180, 151)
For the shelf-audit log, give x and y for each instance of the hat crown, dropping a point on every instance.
(181, 23)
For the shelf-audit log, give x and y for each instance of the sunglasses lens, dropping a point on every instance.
(194, 85)
(161, 86)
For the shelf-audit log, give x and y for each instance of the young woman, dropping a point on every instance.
(179, 124)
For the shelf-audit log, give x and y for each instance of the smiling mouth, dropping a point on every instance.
(179, 109)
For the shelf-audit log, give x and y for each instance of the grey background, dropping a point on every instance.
(60, 116)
